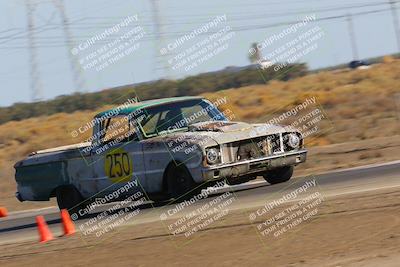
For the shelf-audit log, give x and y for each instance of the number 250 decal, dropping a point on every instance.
(118, 166)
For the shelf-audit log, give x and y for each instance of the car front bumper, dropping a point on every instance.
(253, 166)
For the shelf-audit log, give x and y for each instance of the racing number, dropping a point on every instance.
(118, 166)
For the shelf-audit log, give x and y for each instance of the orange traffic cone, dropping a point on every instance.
(3, 212)
(44, 231)
(68, 225)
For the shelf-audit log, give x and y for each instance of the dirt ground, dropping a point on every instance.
(350, 230)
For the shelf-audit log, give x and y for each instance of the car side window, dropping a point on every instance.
(155, 123)
(149, 125)
(168, 119)
(118, 129)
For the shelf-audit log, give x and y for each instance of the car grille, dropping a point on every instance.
(256, 147)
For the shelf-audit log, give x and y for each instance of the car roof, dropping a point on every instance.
(128, 109)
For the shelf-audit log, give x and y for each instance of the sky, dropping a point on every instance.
(160, 28)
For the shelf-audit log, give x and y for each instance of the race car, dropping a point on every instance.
(165, 148)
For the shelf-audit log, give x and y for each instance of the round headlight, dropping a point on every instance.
(212, 155)
(294, 140)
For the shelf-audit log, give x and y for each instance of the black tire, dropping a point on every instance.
(279, 175)
(68, 197)
(240, 180)
(180, 182)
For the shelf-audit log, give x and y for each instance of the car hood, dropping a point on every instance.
(214, 133)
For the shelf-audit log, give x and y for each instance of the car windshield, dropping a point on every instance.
(177, 116)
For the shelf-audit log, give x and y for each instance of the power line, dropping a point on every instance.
(36, 86)
(287, 12)
(237, 29)
(177, 34)
(232, 18)
(360, 13)
(43, 27)
(263, 4)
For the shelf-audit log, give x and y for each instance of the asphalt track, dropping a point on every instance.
(21, 226)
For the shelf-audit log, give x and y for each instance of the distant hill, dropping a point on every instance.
(230, 77)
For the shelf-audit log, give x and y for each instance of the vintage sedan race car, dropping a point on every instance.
(165, 148)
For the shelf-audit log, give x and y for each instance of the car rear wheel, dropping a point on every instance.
(279, 175)
(68, 197)
(180, 182)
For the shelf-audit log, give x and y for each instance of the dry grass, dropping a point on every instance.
(361, 104)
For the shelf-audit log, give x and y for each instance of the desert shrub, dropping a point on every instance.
(194, 85)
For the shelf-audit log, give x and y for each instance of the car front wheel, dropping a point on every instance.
(279, 175)
(180, 182)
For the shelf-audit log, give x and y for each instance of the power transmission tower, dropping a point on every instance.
(395, 22)
(36, 85)
(159, 39)
(75, 66)
(352, 36)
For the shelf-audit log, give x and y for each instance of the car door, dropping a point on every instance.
(118, 165)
